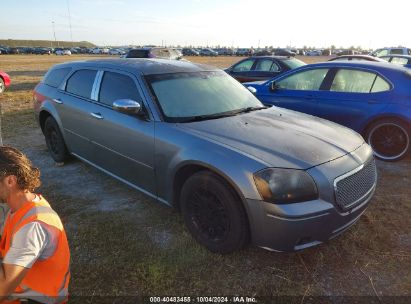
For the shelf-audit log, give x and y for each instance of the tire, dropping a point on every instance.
(2, 85)
(55, 141)
(213, 213)
(389, 139)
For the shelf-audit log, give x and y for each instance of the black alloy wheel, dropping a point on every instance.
(213, 213)
(390, 140)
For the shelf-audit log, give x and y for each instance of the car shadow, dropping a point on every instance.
(22, 86)
(27, 73)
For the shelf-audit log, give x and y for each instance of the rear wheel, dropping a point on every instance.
(390, 139)
(213, 213)
(55, 142)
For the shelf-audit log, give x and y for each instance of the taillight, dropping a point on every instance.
(37, 97)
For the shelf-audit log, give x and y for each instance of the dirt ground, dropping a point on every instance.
(123, 244)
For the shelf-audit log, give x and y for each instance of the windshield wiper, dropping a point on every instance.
(250, 109)
(221, 115)
(207, 117)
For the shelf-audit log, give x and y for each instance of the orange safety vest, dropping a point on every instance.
(48, 278)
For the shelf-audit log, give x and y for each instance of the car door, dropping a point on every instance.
(299, 91)
(74, 105)
(264, 68)
(124, 143)
(353, 96)
(241, 71)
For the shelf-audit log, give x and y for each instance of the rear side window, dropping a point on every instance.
(352, 81)
(54, 77)
(115, 86)
(81, 83)
(380, 85)
(266, 65)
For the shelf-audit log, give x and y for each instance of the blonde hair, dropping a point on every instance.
(14, 162)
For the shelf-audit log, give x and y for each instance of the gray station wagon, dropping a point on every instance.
(192, 137)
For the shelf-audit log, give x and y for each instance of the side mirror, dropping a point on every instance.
(127, 106)
(252, 90)
(274, 86)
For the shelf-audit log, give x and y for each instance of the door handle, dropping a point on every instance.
(57, 100)
(372, 101)
(97, 115)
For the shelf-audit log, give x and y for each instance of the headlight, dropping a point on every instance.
(284, 186)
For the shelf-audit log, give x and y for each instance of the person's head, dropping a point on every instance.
(16, 172)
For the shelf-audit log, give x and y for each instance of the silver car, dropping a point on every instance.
(192, 137)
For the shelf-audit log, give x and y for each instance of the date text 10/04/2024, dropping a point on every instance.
(234, 299)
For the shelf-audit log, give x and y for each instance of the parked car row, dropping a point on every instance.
(192, 137)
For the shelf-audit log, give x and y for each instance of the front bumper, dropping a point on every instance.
(288, 233)
(291, 227)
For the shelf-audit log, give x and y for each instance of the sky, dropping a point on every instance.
(236, 23)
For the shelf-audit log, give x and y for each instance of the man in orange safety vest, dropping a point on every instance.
(34, 252)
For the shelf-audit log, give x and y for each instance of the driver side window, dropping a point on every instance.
(116, 86)
(306, 80)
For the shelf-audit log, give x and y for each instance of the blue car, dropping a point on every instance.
(373, 98)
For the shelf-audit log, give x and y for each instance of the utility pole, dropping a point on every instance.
(69, 15)
(54, 31)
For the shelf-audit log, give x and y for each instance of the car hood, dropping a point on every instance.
(279, 137)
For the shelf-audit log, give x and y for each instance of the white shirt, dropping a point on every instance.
(35, 240)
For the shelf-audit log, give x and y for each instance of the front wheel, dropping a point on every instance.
(389, 139)
(213, 213)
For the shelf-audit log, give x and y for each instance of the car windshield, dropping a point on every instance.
(294, 63)
(184, 97)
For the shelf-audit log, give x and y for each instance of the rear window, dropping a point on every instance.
(138, 54)
(294, 63)
(81, 83)
(54, 77)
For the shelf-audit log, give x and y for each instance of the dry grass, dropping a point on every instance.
(123, 244)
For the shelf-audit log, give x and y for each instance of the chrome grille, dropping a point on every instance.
(353, 187)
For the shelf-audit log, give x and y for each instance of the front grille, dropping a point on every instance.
(353, 187)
